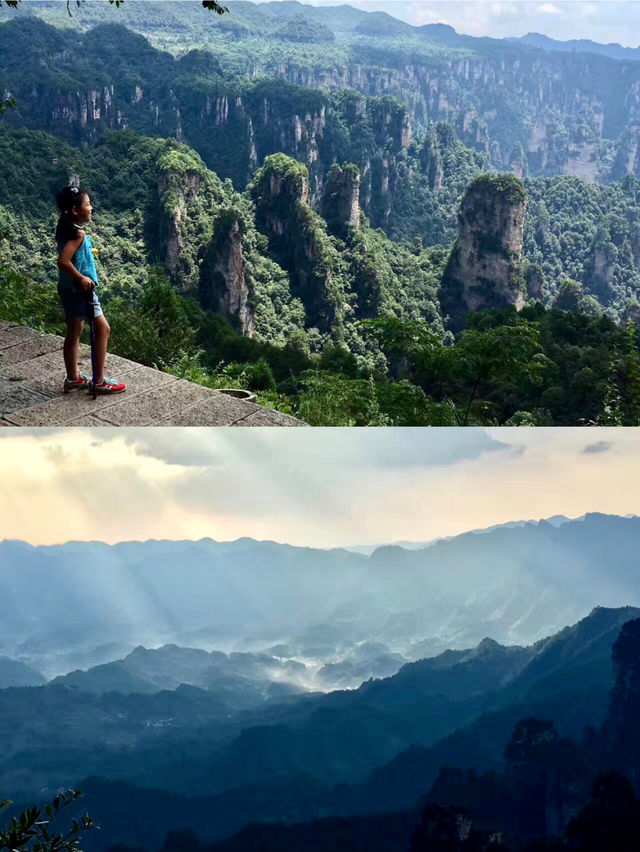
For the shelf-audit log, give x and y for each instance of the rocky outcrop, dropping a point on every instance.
(223, 283)
(518, 161)
(341, 199)
(600, 269)
(280, 189)
(534, 279)
(484, 268)
(175, 194)
(551, 103)
(390, 122)
(299, 241)
(188, 198)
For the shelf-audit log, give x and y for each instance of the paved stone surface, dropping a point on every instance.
(269, 417)
(149, 408)
(15, 396)
(90, 420)
(32, 347)
(10, 335)
(31, 392)
(61, 409)
(46, 373)
(220, 410)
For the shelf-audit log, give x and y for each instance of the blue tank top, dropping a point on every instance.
(83, 262)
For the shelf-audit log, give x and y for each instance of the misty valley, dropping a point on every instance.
(250, 695)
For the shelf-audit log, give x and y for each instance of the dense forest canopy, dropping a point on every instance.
(286, 285)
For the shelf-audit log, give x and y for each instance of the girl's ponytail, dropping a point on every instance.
(67, 199)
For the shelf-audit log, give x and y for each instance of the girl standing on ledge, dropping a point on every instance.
(77, 280)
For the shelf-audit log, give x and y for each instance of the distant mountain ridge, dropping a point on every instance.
(515, 584)
(436, 85)
(368, 549)
(249, 18)
(613, 50)
(241, 680)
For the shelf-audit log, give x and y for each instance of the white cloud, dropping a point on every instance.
(322, 487)
(548, 9)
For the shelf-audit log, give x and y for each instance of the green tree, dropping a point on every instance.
(213, 5)
(632, 370)
(9, 102)
(501, 356)
(31, 831)
(29, 302)
(6, 103)
(156, 331)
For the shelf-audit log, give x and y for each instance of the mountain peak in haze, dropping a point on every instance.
(438, 29)
(613, 50)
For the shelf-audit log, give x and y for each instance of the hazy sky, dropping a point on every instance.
(604, 21)
(321, 487)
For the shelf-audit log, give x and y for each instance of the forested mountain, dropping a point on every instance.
(299, 175)
(463, 682)
(567, 111)
(513, 584)
(309, 758)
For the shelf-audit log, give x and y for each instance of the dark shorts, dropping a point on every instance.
(75, 304)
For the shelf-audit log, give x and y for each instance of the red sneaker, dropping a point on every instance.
(81, 383)
(110, 386)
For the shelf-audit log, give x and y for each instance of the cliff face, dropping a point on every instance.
(176, 194)
(557, 106)
(341, 200)
(299, 241)
(223, 283)
(560, 107)
(483, 270)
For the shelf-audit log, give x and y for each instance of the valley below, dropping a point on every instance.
(281, 685)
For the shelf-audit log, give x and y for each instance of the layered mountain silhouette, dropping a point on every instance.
(171, 698)
(515, 585)
(379, 747)
(240, 680)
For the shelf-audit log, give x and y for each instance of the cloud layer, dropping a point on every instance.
(320, 487)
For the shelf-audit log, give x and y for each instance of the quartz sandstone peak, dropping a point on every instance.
(484, 267)
(341, 200)
(223, 284)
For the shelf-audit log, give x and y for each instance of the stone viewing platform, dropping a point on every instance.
(32, 374)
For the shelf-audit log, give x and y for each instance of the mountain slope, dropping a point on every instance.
(416, 156)
(240, 680)
(213, 742)
(505, 97)
(273, 768)
(514, 584)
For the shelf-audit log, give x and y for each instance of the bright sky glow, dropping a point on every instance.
(317, 487)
